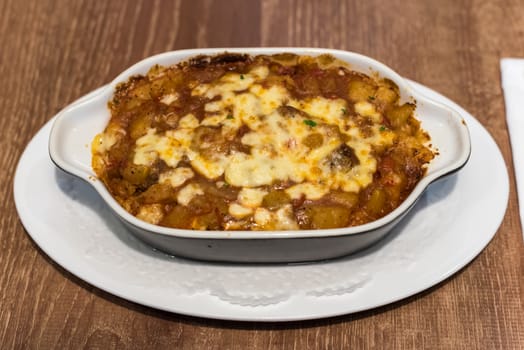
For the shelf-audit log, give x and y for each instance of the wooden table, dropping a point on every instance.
(53, 52)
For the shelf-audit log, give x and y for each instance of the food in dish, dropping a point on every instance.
(266, 142)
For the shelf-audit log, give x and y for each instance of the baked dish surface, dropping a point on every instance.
(266, 142)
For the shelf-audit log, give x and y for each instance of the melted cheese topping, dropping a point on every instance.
(176, 177)
(151, 213)
(187, 193)
(275, 137)
(282, 219)
(251, 197)
(239, 211)
(242, 151)
(104, 141)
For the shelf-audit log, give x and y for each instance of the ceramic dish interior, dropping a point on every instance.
(76, 126)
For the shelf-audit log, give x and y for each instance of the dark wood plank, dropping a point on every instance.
(55, 51)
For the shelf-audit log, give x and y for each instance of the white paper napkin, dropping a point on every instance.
(513, 85)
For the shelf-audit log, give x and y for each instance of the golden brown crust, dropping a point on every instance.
(177, 148)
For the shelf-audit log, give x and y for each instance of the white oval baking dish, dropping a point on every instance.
(76, 126)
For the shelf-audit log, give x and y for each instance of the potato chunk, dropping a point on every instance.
(276, 199)
(158, 193)
(376, 201)
(331, 216)
(398, 116)
(313, 140)
(180, 216)
(135, 174)
(360, 90)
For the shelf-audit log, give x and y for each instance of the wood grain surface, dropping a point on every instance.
(52, 52)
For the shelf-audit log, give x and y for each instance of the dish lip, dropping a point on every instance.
(103, 93)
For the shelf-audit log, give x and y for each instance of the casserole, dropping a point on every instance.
(78, 124)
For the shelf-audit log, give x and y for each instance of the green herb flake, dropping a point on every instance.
(344, 111)
(229, 116)
(372, 98)
(382, 128)
(310, 122)
(241, 76)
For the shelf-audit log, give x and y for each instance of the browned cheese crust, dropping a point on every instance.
(238, 142)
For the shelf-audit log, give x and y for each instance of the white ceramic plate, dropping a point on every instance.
(452, 222)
